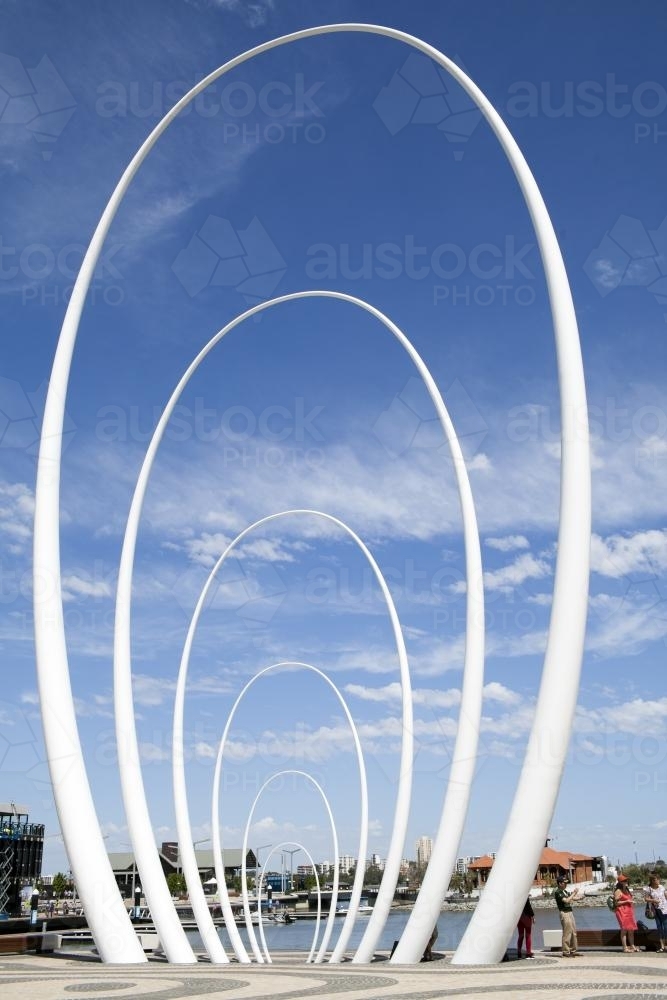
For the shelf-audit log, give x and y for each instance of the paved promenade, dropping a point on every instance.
(595, 974)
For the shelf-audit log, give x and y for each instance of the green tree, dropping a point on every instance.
(373, 875)
(176, 884)
(457, 882)
(637, 874)
(59, 885)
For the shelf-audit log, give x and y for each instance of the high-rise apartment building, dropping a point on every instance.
(424, 851)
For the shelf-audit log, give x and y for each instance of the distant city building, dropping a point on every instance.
(346, 863)
(461, 866)
(21, 848)
(424, 851)
(377, 861)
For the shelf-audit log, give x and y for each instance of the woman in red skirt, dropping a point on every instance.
(625, 913)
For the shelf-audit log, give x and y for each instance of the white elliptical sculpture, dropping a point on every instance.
(329, 926)
(318, 889)
(465, 751)
(225, 904)
(535, 798)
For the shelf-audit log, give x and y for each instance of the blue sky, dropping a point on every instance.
(341, 163)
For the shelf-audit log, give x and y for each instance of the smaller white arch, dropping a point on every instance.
(183, 825)
(436, 880)
(258, 891)
(357, 884)
(328, 927)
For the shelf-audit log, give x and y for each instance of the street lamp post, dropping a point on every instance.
(291, 852)
(125, 843)
(263, 847)
(195, 843)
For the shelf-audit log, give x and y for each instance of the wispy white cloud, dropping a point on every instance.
(621, 554)
(606, 273)
(77, 586)
(392, 694)
(254, 13)
(152, 753)
(17, 507)
(379, 493)
(525, 567)
(639, 716)
(494, 691)
(207, 549)
(508, 543)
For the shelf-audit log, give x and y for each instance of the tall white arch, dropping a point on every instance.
(536, 794)
(328, 927)
(465, 750)
(258, 891)
(188, 858)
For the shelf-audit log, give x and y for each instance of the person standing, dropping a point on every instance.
(525, 929)
(564, 903)
(655, 894)
(625, 913)
(428, 950)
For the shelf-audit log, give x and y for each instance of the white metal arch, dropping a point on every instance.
(188, 857)
(465, 750)
(258, 891)
(328, 927)
(357, 884)
(540, 778)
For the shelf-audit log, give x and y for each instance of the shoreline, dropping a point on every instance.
(540, 903)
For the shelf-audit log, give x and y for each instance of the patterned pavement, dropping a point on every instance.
(608, 975)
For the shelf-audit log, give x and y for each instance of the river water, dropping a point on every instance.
(451, 925)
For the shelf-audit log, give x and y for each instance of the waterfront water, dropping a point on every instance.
(299, 936)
